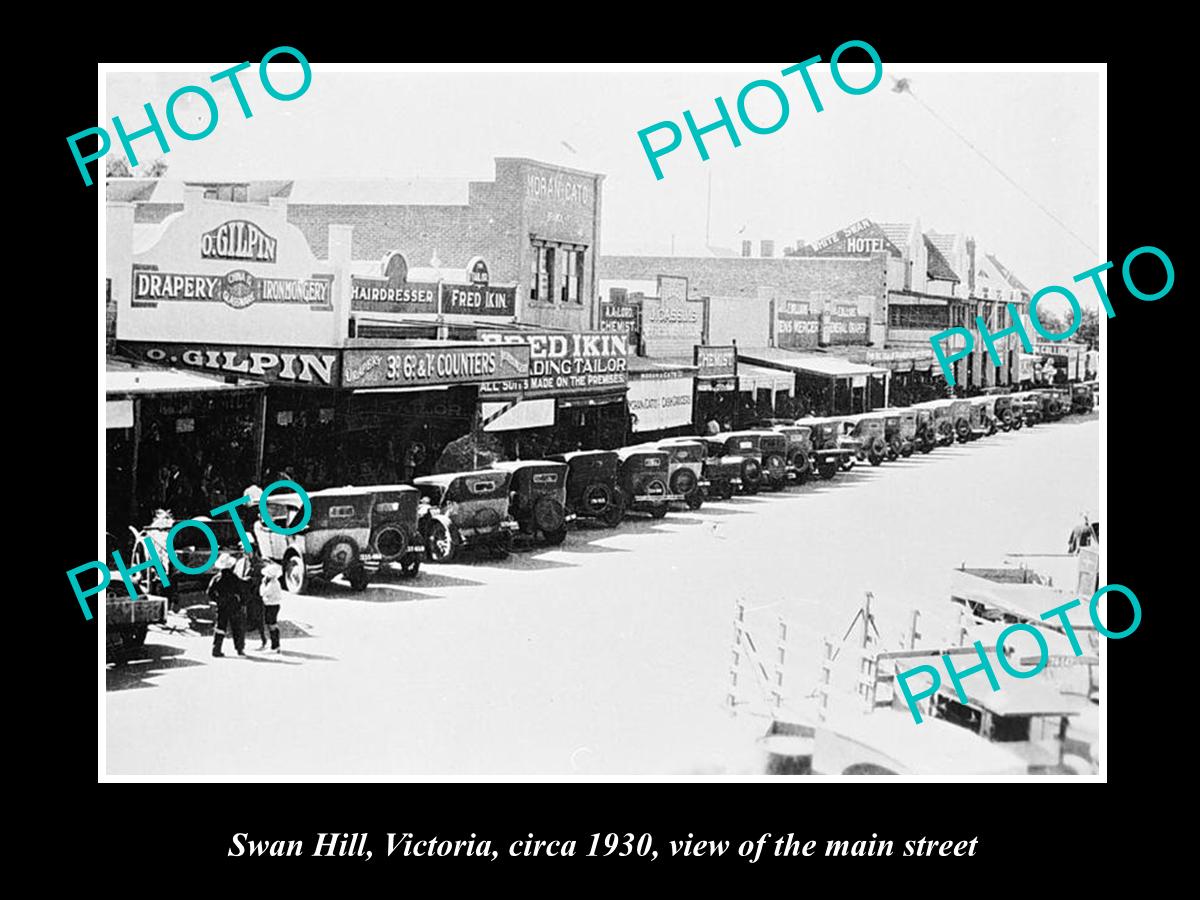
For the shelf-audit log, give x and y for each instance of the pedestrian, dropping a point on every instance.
(225, 590)
(1081, 536)
(249, 571)
(272, 595)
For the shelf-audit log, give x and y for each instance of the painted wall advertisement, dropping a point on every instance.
(671, 323)
(364, 367)
(795, 326)
(845, 329)
(562, 363)
(209, 278)
(660, 400)
(618, 316)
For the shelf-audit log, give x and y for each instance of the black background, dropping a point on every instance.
(160, 836)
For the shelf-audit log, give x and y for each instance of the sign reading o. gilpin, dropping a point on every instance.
(239, 239)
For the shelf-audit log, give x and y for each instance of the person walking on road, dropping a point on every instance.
(225, 590)
(272, 596)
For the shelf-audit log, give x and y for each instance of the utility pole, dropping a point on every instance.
(708, 212)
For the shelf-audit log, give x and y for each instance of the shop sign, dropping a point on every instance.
(286, 365)
(239, 239)
(478, 300)
(864, 236)
(794, 328)
(562, 363)
(660, 400)
(715, 362)
(383, 295)
(845, 329)
(618, 316)
(237, 289)
(419, 366)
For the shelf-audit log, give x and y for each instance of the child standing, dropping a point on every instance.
(272, 595)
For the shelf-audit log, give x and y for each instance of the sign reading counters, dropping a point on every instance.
(565, 363)
(405, 366)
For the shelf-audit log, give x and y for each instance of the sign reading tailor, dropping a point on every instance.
(154, 561)
(1040, 662)
(237, 289)
(298, 365)
(963, 337)
(239, 239)
(795, 326)
(401, 367)
(763, 125)
(845, 329)
(155, 127)
(565, 363)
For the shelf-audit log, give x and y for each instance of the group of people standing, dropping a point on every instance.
(246, 590)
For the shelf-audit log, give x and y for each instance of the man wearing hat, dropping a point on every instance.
(225, 590)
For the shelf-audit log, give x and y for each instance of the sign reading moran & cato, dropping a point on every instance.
(416, 366)
(565, 363)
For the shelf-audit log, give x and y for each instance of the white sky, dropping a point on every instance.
(878, 156)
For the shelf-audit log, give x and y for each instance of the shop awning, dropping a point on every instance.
(825, 365)
(653, 365)
(514, 415)
(123, 379)
(577, 400)
(751, 378)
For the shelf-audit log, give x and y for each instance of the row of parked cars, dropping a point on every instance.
(354, 531)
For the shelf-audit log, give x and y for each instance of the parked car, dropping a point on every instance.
(960, 415)
(728, 473)
(1095, 386)
(899, 432)
(800, 463)
(127, 621)
(1031, 405)
(925, 429)
(1009, 414)
(645, 477)
(686, 469)
(537, 498)
(1082, 397)
(983, 419)
(944, 423)
(352, 531)
(831, 450)
(593, 490)
(869, 429)
(191, 549)
(767, 448)
(465, 509)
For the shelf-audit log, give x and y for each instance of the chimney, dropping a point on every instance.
(746, 245)
(767, 249)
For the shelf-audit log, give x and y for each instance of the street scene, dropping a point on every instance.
(439, 461)
(608, 654)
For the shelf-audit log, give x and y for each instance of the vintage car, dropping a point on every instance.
(537, 498)
(831, 450)
(593, 490)
(351, 531)
(686, 468)
(1057, 403)
(869, 429)
(1030, 404)
(127, 621)
(465, 509)
(800, 461)
(1008, 411)
(943, 419)
(899, 430)
(1082, 397)
(192, 549)
(1095, 386)
(767, 448)
(645, 480)
(983, 416)
(728, 473)
(925, 436)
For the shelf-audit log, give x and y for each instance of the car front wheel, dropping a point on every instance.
(295, 573)
(441, 541)
(827, 468)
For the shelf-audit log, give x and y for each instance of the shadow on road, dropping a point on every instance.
(136, 669)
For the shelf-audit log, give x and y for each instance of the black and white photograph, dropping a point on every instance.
(681, 422)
